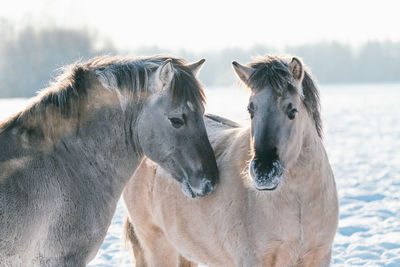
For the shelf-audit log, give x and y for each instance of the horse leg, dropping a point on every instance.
(158, 251)
(68, 261)
(318, 257)
(151, 248)
(277, 256)
(186, 263)
(138, 251)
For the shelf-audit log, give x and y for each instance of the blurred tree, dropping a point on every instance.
(31, 58)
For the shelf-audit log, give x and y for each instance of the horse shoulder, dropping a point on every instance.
(137, 193)
(320, 206)
(237, 150)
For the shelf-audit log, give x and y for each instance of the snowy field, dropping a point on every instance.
(362, 137)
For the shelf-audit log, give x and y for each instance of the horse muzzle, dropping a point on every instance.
(197, 187)
(266, 176)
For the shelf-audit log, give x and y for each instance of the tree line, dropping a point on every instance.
(31, 57)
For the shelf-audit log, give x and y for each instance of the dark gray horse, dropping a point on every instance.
(65, 159)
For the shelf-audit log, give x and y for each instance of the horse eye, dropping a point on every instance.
(176, 122)
(292, 113)
(250, 109)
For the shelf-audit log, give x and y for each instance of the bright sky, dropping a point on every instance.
(212, 24)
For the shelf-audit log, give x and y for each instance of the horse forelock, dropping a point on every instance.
(270, 72)
(134, 76)
(274, 72)
(186, 88)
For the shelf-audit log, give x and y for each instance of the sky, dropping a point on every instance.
(212, 24)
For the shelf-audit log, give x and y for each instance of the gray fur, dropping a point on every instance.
(65, 159)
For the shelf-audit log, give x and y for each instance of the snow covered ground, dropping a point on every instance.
(362, 137)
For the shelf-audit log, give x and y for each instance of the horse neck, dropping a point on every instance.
(102, 136)
(312, 161)
(111, 139)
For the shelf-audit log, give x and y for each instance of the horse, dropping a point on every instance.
(276, 203)
(65, 158)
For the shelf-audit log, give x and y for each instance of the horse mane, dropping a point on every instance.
(274, 72)
(133, 75)
(65, 94)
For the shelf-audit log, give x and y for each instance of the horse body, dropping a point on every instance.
(238, 225)
(64, 163)
(61, 206)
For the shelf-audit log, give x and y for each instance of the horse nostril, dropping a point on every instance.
(203, 187)
(253, 169)
(208, 187)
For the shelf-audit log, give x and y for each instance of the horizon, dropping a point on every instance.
(341, 42)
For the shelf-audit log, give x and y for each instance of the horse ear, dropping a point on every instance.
(296, 67)
(165, 73)
(242, 72)
(195, 67)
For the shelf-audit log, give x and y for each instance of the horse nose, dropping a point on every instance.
(207, 188)
(202, 187)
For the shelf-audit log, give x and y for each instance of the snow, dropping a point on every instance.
(362, 138)
(363, 143)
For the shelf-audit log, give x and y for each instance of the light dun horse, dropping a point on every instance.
(276, 204)
(65, 159)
